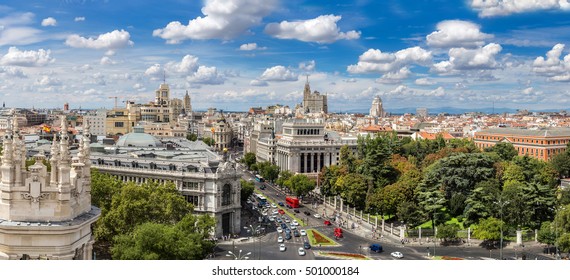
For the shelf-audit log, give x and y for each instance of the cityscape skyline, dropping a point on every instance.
(237, 54)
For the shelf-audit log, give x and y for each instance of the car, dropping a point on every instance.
(327, 223)
(262, 187)
(273, 205)
(287, 236)
(271, 219)
(280, 239)
(303, 232)
(317, 215)
(287, 230)
(279, 230)
(283, 226)
(397, 255)
(281, 204)
(295, 223)
(376, 248)
(278, 220)
(296, 211)
(280, 211)
(282, 248)
(286, 220)
(307, 213)
(293, 227)
(307, 245)
(275, 212)
(296, 233)
(301, 251)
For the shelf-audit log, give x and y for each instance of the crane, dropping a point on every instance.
(115, 100)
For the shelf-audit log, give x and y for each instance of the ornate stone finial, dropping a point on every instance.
(7, 145)
(64, 142)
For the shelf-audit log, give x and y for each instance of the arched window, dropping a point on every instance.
(226, 195)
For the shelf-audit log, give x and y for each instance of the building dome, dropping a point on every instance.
(138, 139)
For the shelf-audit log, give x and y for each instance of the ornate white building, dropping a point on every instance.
(377, 110)
(208, 181)
(46, 215)
(314, 102)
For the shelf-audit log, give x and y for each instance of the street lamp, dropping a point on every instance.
(501, 204)
(239, 256)
(255, 230)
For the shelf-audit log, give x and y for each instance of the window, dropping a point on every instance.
(226, 195)
(119, 124)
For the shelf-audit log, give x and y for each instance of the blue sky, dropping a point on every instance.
(235, 54)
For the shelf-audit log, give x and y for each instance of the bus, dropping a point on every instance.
(261, 200)
(293, 202)
(259, 178)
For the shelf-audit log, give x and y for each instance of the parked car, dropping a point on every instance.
(288, 236)
(280, 239)
(281, 204)
(293, 227)
(280, 211)
(301, 251)
(307, 245)
(303, 232)
(279, 230)
(397, 255)
(282, 248)
(317, 215)
(296, 233)
(295, 223)
(376, 248)
(273, 205)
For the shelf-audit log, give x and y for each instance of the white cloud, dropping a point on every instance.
(400, 90)
(207, 76)
(258, 83)
(47, 81)
(322, 29)
(156, 72)
(16, 57)
(9, 71)
(222, 20)
(107, 61)
(395, 77)
(307, 66)
(251, 47)
(553, 67)
(188, 65)
(13, 30)
(374, 61)
(438, 92)
(424, 82)
(350, 80)
(79, 19)
(490, 8)
(278, 73)
(49, 21)
(110, 41)
(457, 33)
(469, 59)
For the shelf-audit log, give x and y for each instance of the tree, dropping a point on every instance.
(347, 159)
(209, 141)
(447, 231)
(547, 234)
(185, 240)
(408, 212)
(506, 151)
(488, 229)
(564, 242)
(267, 170)
(328, 177)
(353, 188)
(561, 163)
(137, 204)
(284, 176)
(247, 189)
(249, 159)
(431, 202)
(103, 188)
(562, 219)
(191, 136)
(300, 184)
(480, 203)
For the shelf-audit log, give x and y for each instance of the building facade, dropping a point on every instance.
(314, 102)
(46, 215)
(377, 110)
(541, 144)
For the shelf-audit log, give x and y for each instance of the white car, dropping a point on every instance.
(303, 232)
(273, 205)
(279, 230)
(271, 219)
(282, 248)
(295, 223)
(301, 251)
(286, 220)
(317, 215)
(275, 212)
(397, 255)
(280, 239)
(293, 227)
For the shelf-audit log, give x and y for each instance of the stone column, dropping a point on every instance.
(383, 225)
(420, 235)
(536, 235)
(403, 231)
(519, 237)
(318, 162)
(468, 235)
(392, 228)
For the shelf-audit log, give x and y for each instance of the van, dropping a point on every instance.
(376, 248)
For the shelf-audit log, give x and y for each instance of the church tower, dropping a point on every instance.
(46, 214)
(187, 104)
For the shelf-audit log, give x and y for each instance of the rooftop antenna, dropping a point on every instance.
(164, 77)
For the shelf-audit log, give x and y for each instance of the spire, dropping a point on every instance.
(7, 145)
(64, 142)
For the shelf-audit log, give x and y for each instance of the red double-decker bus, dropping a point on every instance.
(293, 202)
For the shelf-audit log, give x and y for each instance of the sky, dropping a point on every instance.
(237, 54)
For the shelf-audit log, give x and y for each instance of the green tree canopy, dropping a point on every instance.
(249, 159)
(300, 184)
(564, 243)
(284, 176)
(191, 136)
(506, 151)
(137, 204)
(185, 240)
(103, 188)
(247, 189)
(447, 231)
(353, 188)
(547, 234)
(488, 229)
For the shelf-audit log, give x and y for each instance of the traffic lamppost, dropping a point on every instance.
(255, 232)
(501, 203)
(239, 256)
